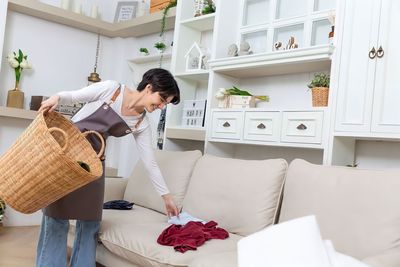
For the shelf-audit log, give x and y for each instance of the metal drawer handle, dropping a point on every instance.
(301, 127)
(261, 126)
(226, 124)
(372, 53)
(380, 53)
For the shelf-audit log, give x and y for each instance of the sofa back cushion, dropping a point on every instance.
(176, 168)
(357, 209)
(240, 195)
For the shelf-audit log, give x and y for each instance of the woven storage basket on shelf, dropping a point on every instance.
(42, 165)
(320, 96)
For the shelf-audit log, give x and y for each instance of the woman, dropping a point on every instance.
(111, 109)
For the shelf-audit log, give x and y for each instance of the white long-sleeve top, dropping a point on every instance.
(98, 93)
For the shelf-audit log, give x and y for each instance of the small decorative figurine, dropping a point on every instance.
(244, 49)
(233, 50)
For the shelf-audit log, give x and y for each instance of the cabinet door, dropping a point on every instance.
(356, 72)
(386, 108)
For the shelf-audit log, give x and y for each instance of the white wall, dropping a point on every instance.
(62, 58)
(3, 15)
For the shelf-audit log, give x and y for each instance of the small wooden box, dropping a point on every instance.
(158, 5)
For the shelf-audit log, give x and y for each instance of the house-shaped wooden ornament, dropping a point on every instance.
(194, 58)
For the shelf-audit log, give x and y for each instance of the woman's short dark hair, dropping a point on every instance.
(162, 82)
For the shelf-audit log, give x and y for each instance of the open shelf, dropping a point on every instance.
(133, 28)
(200, 75)
(17, 113)
(275, 63)
(149, 58)
(201, 23)
(185, 133)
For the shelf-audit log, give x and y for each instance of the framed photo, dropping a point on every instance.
(126, 10)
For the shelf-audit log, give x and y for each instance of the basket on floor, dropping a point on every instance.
(43, 164)
(320, 96)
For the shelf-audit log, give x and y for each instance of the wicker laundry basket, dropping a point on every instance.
(42, 165)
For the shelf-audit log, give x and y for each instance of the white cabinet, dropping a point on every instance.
(368, 94)
(386, 104)
(302, 127)
(265, 127)
(227, 125)
(262, 126)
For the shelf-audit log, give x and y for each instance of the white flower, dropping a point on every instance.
(25, 64)
(13, 63)
(219, 95)
(10, 57)
(222, 91)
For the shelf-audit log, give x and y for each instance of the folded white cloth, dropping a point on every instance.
(295, 243)
(183, 219)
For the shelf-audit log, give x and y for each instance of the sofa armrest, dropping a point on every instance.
(390, 258)
(114, 188)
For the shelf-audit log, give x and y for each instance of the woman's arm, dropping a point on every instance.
(143, 141)
(89, 93)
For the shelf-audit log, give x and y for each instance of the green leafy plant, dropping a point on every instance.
(209, 7)
(222, 92)
(144, 50)
(2, 209)
(160, 46)
(320, 80)
(171, 4)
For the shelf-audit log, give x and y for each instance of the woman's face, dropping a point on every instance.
(154, 100)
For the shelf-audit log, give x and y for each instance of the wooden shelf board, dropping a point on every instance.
(134, 28)
(275, 63)
(201, 23)
(186, 133)
(17, 113)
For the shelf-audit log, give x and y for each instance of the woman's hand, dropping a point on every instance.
(170, 206)
(49, 104)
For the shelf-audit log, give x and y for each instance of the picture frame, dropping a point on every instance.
(126, 10)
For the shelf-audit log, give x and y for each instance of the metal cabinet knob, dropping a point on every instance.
(380, 53)
(372, 53)
(261, 126)
(226, 124)
(301, 127)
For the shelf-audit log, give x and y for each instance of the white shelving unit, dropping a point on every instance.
(134, 28)
(283, 75)
(193, 83)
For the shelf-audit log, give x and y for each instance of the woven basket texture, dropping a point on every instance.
(320, 96)
(42, 165)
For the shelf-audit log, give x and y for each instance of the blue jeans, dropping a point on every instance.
(52, 246)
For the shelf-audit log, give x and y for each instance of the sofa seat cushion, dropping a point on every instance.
(123, 217)
(176, 168)
(358, 210)
(241, 195)
(223, 259)
(137, 242)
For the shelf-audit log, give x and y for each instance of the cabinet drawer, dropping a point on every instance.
(227, 125)
(302, 127)
(261, 126)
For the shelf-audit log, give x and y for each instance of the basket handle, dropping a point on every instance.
(55, 129)
(101, 140)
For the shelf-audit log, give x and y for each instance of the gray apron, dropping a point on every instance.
(86, 203)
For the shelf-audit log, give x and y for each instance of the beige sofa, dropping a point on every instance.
(358, 210)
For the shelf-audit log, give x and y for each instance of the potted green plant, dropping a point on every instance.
(160, 47)
(320, 89)
(144, 51)
(2, 210)
(209, 7)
